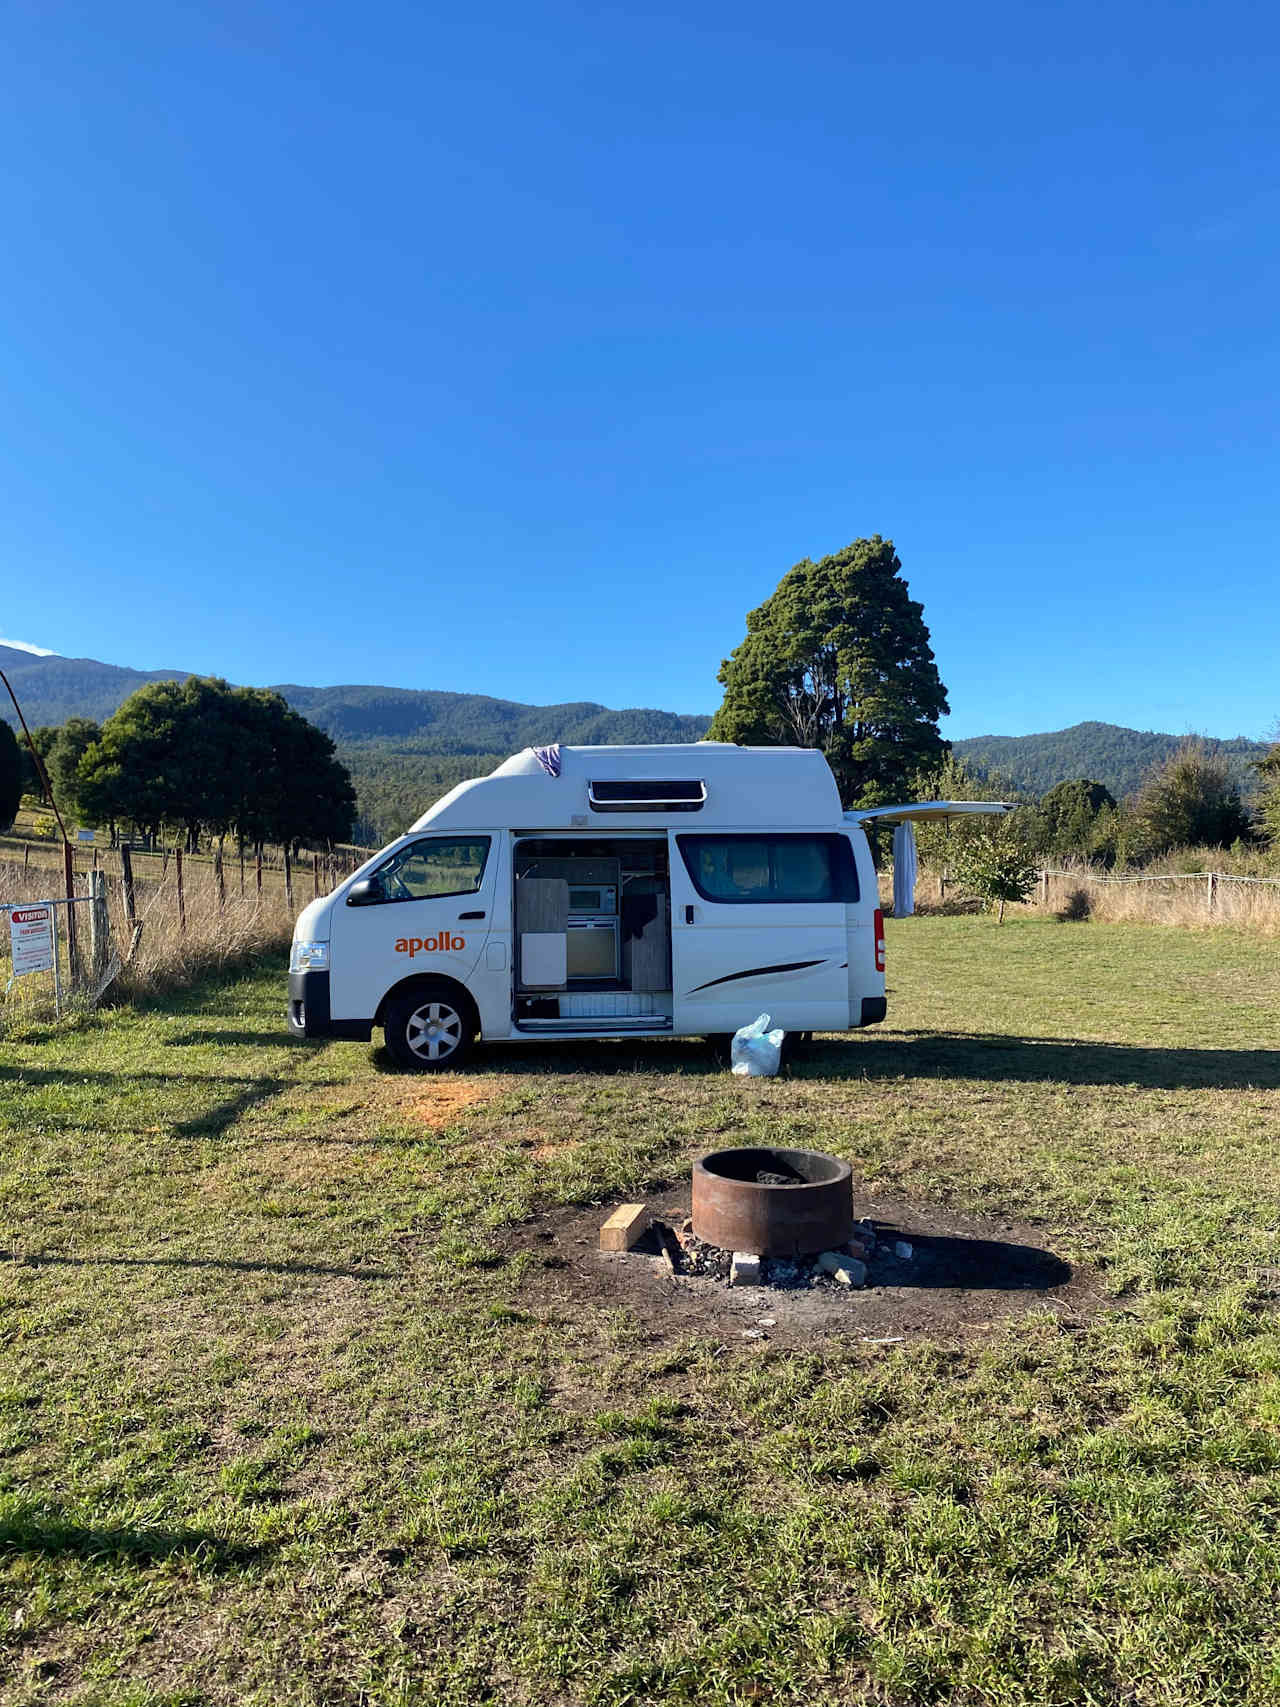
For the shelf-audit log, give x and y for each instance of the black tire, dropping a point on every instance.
(795, 1046)
(430, 1028)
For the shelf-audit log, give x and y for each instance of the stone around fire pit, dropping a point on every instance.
(776, 1203)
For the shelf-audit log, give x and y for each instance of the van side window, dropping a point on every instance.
(441, 866)
(770, 868)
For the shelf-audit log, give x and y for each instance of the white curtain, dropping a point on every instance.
(904, 871)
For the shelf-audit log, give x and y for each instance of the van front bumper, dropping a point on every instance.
(308, 1011)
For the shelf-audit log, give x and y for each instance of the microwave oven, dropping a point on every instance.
(590, 900)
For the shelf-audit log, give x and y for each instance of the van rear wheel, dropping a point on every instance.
(429, 1030)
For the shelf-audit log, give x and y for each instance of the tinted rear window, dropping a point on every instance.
(741, 869)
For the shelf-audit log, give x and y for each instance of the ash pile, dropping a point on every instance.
(866, 1259)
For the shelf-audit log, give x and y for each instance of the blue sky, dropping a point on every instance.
(521, 350)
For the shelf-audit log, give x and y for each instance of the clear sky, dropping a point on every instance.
(521, 349)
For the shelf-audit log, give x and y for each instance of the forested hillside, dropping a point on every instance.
(406, 746)
(1104, 752)
(52, 689)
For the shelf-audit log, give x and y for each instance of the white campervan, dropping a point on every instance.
(606, 892)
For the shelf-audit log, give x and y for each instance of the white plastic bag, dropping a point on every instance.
(756, 1051)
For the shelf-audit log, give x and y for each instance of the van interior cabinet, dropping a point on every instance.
(646, 951)
(542, 919)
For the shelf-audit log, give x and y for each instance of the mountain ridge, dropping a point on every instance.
(402, 742)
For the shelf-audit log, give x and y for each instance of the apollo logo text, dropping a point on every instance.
(442, 944)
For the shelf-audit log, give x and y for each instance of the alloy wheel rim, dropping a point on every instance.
(434, 1031)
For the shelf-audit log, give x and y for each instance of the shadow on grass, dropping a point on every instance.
(215, 1121)
(45, 1259)
(36, 1529)
(982, 1056)
(1055, 1060)
(975, 1265)
(281, 1039)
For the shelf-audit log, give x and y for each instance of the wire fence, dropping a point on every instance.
(150, 918)
(1210, 878)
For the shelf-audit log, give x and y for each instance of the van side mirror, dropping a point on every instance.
(365, 893)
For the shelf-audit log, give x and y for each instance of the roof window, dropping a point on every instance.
(682, 794)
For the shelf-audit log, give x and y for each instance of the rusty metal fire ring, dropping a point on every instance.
(777, 1203)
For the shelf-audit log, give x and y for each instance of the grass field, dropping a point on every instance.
(280, 1424)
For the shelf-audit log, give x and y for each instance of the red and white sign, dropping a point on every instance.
(31, 939)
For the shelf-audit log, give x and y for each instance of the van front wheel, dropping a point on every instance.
(428, 1031)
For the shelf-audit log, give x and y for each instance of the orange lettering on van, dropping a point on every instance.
(442, 944)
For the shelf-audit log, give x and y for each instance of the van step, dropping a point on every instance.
(584, 1025)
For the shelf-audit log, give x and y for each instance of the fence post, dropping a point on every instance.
(242, 870)
(1044, 890)
(99, 927)
(218, 878)
(182, 904)
(315, 876)
(288, 879)
(126, 885)
(1213, 889)
(257, 871)
(26, 857)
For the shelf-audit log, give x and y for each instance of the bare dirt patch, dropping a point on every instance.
(442, 1100)
(964, 1276)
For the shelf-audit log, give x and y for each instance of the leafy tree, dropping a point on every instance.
(952, 779)
(204, 756)
(62, 755)
(13, 773)
(839, 658)
(1268, 769)
(290, 786)
(1067, 817)
(1189, 800)
(996, 865)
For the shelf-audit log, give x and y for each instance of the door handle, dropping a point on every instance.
(471, 915)
(688, 915)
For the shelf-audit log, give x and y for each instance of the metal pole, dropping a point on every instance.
(73, 946)
(57, 980)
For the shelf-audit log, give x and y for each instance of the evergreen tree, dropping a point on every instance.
(206, 757)
(13, 774)
(1068, 816)
(1188, 801)
(839, 658)
(1268, 769)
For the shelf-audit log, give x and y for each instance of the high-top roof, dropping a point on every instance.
(746, 787)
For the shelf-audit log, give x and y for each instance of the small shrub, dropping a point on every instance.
(997, 867)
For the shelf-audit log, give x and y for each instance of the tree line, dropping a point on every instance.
(193, 758)
(838, 657)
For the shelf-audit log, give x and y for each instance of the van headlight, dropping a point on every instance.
(309, 957)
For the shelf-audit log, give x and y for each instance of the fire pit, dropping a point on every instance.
(777, 1203)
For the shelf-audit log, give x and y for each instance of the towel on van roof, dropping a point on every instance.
(549, 758)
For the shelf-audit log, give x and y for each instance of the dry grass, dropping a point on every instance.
(1160, 899)
(295, 1411)
(175, 947)
(1174, 893)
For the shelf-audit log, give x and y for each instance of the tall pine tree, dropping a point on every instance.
(839, 658)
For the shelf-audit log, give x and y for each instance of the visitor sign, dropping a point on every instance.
(31, 939)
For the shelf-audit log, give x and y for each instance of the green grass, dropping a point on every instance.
(278, 1423)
